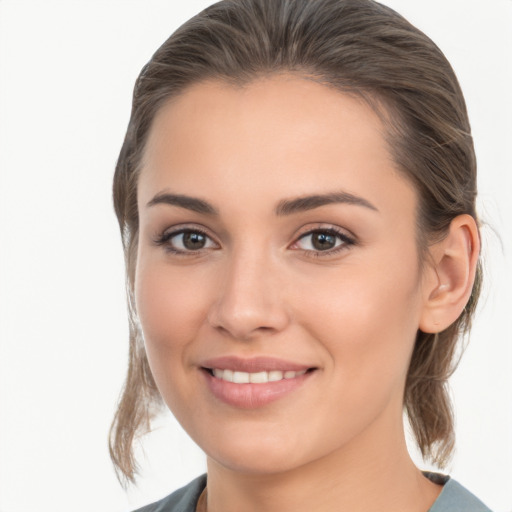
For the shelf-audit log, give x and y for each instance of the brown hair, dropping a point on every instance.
(359, 47)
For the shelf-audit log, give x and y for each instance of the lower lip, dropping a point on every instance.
(252, 396)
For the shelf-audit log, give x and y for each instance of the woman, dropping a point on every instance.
(296, 194)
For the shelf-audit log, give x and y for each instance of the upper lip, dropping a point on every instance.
(253, 364)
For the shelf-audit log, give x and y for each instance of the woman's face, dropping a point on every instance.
(277, 236)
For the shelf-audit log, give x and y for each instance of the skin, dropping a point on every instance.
(258, 288)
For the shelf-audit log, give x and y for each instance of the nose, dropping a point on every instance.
(250, 298)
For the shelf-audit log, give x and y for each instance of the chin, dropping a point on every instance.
(262, 464)
(254, 454)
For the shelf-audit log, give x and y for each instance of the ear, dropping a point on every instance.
(450, 275)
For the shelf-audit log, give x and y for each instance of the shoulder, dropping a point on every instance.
(456, 498)
(182, 500)
(453, 498)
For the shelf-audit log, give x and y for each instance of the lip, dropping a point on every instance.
(249, 395)
(253, 364)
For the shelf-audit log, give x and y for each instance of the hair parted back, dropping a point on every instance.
(359, 47)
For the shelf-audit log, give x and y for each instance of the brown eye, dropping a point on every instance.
(328, 241)
(323, 241)
(185, 241)
(193, 240)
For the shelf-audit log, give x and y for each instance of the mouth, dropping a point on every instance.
(261, 377)
(256, 382)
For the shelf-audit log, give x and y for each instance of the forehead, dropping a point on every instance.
(275, 137)
(287, 107)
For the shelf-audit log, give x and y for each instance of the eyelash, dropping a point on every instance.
(347, 241)
(166, 236)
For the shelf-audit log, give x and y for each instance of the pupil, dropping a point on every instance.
(193, 241)
(323, 241)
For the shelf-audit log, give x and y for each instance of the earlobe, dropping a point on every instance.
(450, 275)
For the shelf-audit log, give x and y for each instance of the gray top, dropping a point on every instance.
(453, 498)
(182, 500)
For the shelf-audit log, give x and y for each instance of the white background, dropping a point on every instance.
(66, 73)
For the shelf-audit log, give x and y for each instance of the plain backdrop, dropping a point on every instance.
(67, 70)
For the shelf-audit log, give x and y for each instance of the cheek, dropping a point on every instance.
(367, 317)
(368, 328)
(170, 299)
(171, 309)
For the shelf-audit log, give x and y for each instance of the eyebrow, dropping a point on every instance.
(187, 202)
(290, 206)
(283, 208)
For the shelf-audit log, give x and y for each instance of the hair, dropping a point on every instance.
(359, 47)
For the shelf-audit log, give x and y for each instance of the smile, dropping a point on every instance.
(261, 377)
(255, 382)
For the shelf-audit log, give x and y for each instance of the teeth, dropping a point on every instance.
(275, 375)
(241, 377)
(255, 378)
(258, 378)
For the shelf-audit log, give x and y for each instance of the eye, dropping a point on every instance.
(327, 241)
(186, 241)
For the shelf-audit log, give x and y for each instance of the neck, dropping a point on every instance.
(365, 476)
